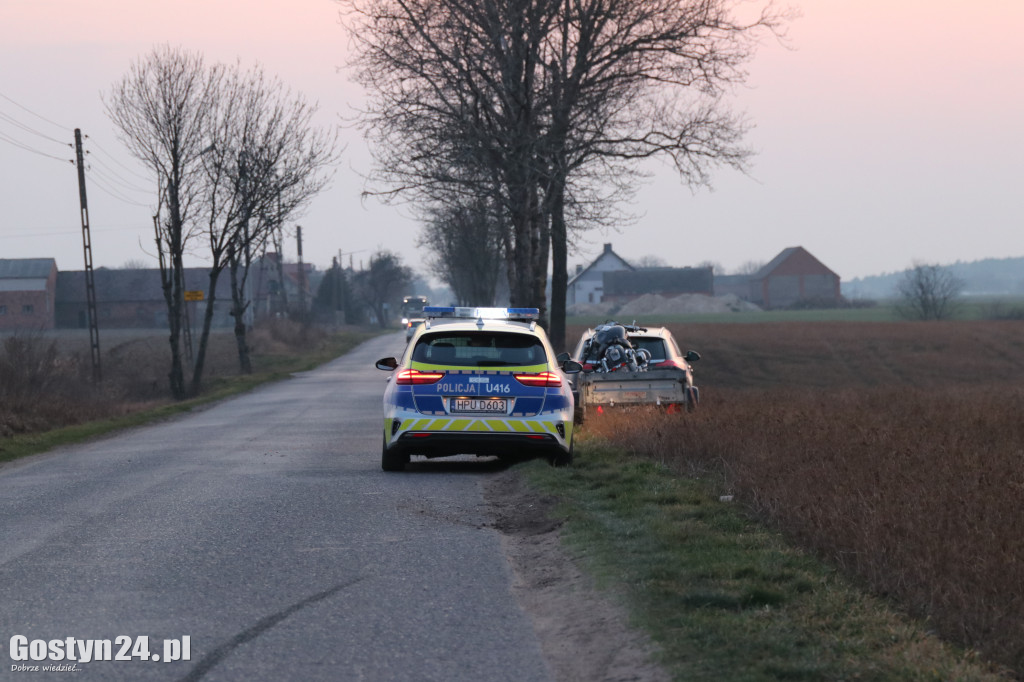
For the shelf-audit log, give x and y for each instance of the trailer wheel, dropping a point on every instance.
(691, 399)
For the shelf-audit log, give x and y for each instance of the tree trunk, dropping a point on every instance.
(174, 294)
(559, 267)
(540, 249)
(238, 306)
(204, 337)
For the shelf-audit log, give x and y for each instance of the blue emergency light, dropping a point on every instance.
(468, 313)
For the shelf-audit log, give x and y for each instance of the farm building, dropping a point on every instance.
(133, 298)
(587, 285)
(625, 285)
(27, 293)
(792, 277)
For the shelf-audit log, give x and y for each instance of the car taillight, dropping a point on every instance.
(549, 379)
(669, 364)
(414, 376)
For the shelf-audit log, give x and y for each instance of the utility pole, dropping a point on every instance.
(279, 246)
(90, 282)
(302, 274)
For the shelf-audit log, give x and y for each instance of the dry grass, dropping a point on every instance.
(894, 450)
(45, 380)
(40, 386)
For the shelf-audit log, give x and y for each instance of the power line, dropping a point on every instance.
(39, 116)
(112, 192)
(30, 129)
(62, 233)
(100, 148)
(22, 145)
(116, 179)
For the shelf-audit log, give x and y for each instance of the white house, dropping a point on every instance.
(587, 285)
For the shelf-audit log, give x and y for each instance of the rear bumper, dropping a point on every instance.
(446, 444)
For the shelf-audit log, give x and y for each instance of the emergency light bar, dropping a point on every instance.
(524, 314)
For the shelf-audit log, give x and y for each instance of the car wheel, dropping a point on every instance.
(691, 399)
(392, 461)
(563, 459)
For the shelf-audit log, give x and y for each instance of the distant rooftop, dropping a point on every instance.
(26, 268)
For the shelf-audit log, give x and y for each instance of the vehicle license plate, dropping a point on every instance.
(485, 405)
(634, 394)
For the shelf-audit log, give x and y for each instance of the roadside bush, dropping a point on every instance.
(41, 387)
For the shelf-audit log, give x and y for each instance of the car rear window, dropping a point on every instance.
(654, 345)
(479, 349)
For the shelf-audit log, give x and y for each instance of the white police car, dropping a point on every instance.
(480, 381)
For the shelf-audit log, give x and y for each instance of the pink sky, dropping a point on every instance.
(890, 132)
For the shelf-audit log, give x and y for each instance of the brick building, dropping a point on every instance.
(27, 293)
(794, 276)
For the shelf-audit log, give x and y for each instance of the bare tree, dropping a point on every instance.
(234, 153)
(455, 110)
(467, 245)
(750, 267)
(649, 262)
(928, 292)
(265, 160)
(535, 101)
(632, 79)
(380, 287)
(160, 109)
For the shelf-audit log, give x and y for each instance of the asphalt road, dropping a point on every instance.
(263, 530)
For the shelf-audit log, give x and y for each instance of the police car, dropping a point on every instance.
(480, 381)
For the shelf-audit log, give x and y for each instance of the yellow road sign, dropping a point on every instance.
(194, 295)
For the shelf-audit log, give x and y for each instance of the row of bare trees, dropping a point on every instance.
(529, 117)
(234, 154)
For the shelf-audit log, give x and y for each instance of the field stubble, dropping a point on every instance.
(896, 451)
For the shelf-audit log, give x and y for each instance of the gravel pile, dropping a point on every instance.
(655, 304)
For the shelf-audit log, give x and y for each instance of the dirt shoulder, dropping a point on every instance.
(583, 633)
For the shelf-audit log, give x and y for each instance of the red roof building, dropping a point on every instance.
(794, 276)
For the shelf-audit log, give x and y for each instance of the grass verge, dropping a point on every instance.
(269, 367)
(723, 597)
